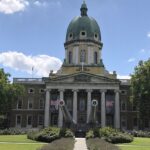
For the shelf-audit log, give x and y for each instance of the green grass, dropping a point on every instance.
(18, 142)
(137, 144)
(15, 138)
(19, 147)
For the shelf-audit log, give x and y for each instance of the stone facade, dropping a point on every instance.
(81, 79)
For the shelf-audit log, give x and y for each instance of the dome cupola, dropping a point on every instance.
(83, 28)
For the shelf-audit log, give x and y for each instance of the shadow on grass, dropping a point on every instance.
(99, 144)
(61, 144)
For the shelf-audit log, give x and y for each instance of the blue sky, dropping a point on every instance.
(32, 33)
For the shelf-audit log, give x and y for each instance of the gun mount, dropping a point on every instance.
(93, 117)
(66, 114)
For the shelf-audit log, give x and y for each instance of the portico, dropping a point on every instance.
(78, 101)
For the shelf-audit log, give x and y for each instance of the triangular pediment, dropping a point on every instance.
(82, 77)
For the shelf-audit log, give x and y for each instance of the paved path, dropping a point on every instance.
(80, 144)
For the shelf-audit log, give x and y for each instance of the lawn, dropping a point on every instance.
(18, 142)
(137, 144)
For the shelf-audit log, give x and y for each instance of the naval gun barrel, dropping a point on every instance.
(66, 114)
(93, 116)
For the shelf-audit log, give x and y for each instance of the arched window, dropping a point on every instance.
(95, 58)
(83, 56)
(70, 57)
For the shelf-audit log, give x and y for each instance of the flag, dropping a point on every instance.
(54, 102)
(109, 103)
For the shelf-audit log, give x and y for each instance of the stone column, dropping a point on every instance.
(117, 110)
(60, 115)
(47, 109)
(75, 105)
(88, 104)
(103, 108)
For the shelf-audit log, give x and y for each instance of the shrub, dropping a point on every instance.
(96, 132)
(90, 134)
(106, 131)
(110, 135)
(119, 138)
(32, 135)
(140, 133)
(49, 134)
(69, 133)
(13, 131)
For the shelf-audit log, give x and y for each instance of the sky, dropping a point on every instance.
(32, 34)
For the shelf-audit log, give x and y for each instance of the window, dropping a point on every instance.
(70, 35)
(41, 91)
(70, 57)
(54, 120)
(19, 104)
(18, 120)
(123, 122)
(83, 56)
(83, 34)
(69, 104)
(30, 104)
(82, 105)
(146, 122)
(135, 122)
(134, 107)
(123, 92)
(123, 105)
(41, 104)
(29, 120)
(95, 35)
(31, 90)
(41, 120)
(95, 58)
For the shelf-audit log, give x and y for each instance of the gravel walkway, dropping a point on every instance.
(80, 144)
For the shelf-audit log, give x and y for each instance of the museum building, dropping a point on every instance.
(81, 79)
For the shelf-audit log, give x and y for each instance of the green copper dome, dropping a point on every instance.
(83, 27)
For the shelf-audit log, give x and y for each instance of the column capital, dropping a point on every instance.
(117, 91)
(89, 90)
(75, 90)
(103, 90)
(61, 90)
(47, 90)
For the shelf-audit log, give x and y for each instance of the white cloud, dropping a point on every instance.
(131, 60)
(123, 77)
(12, 6)
(18, 61)
(46, 3)
(38, 3)
(148, 34)
(142, 51)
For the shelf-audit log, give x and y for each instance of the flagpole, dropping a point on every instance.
(82, 65)
(32, 71)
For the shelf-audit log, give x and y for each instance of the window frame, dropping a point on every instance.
(43, 105)
(30, 100)
(29, 91)
(18, 104)
(18, 125)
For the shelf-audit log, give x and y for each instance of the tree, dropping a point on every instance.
(140, 89)
(9, 93)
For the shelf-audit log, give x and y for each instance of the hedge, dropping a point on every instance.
(49, 134)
